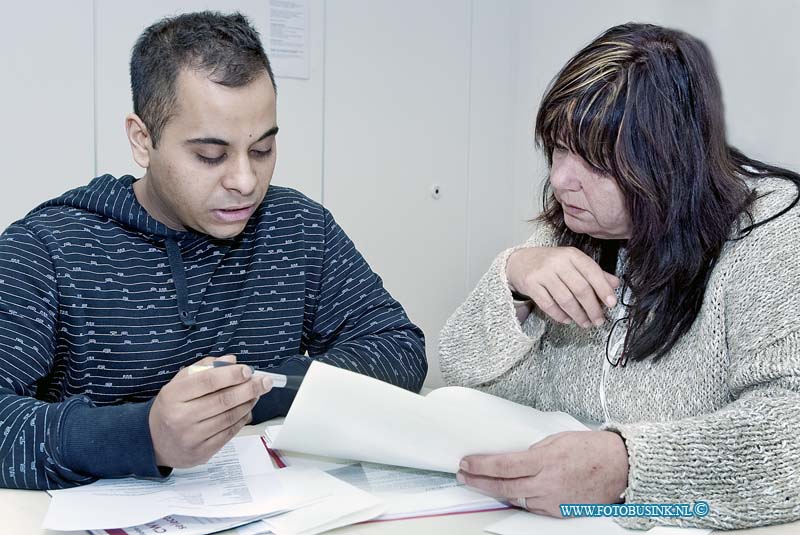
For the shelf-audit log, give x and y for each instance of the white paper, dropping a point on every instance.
(288, 38)
(239, 481)
(523, 523)
(345, 415)
(345, 505)
(408, 492)
(185, 525)
(256, 528)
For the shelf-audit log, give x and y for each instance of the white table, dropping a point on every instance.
(22, 512)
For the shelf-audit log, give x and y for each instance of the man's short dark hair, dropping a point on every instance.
(227, 47)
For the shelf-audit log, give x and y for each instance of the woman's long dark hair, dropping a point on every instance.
(643, 105)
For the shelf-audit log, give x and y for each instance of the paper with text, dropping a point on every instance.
(408, 492)
(341, 414)
(344, 505)
(239, 481)
(289, 39)
(185, 525)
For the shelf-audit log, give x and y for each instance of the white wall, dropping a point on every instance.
(753, 43)
(47, 136)
(396, 124)
(402, 96)
(410, 106)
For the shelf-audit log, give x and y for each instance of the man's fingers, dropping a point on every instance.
(201, 383)
(225, 399)
(213, 425)
(206, 361)
(214, 443)
(505, 465)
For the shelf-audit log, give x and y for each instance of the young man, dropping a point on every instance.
(109, 292)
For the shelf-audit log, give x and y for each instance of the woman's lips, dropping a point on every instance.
(572, 210)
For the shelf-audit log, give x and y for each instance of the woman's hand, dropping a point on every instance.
(569, 467)
(563, 282)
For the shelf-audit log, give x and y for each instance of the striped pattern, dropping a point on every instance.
(90, 316)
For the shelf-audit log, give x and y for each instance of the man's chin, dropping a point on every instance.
(225, 232)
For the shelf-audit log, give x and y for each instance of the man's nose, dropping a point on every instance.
(242, 177)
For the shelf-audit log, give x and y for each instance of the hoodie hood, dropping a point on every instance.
(114, 198)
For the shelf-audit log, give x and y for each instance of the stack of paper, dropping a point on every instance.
(237, 486)
(341, 414)
(407, 492)
(186, 525)
(346, 505)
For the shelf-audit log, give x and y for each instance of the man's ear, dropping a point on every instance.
(140, 140)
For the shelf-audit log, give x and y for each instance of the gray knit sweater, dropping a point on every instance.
(717, 419)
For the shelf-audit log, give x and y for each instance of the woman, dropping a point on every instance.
(659, 294)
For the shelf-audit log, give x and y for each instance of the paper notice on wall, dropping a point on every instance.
(289, 39)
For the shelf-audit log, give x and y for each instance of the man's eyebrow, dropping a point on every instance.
(216, 141)
(271, 132)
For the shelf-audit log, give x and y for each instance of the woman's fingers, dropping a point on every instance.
(564, 283)
(547, 304)
(566, 299)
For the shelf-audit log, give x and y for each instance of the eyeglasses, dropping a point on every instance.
(615, 343)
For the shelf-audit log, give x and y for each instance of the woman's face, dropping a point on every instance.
(592, 202)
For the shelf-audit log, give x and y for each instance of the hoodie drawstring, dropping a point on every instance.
(179, 276)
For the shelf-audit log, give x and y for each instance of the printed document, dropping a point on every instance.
(239, 481)
(344, 505)
(344, 415)
(407, 492)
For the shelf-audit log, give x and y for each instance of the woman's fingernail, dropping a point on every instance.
(460, 477)
(267, 382)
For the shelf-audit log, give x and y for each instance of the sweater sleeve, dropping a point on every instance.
(744, 459)
(356, 324)
(53, 445)
(483, 339)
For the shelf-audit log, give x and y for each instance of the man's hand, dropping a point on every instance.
(569, 467)
(195, 414)
(563, 282)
